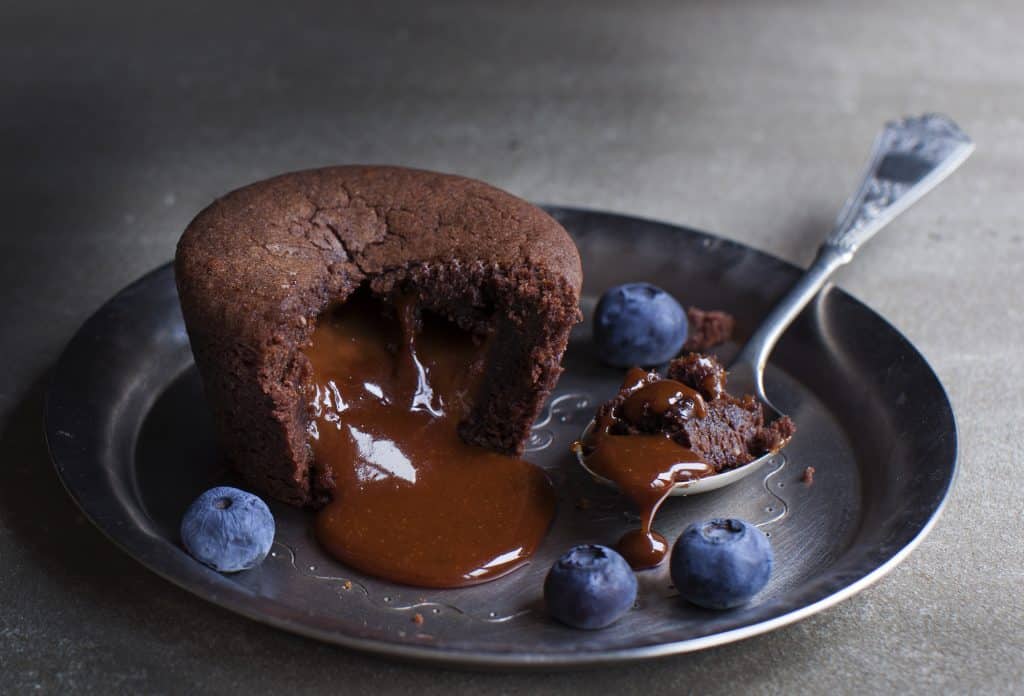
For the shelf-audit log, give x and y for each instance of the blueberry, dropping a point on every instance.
(589, 587)
(721, 563)
(638, 324)
(228, 529)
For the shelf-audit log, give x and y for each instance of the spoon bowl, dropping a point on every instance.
(694, 486)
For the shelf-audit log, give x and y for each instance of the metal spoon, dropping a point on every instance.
(909, 158)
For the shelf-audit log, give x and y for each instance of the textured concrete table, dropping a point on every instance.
(751, 120)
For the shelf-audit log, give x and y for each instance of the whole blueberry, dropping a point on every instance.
(589, 587)
(721, 563)
(638, 324)
(228, 529)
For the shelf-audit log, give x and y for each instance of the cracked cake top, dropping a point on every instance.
(302, 239)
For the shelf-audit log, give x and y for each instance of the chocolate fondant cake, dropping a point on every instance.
(257, 268)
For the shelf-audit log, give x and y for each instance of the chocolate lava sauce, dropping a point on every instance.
(413, 503)
(645, 467)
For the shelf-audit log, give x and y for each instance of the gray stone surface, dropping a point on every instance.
(118, 123)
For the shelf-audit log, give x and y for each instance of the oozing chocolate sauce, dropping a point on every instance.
(413, 503)
(645, 467)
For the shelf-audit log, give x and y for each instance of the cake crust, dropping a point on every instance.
(257, 267)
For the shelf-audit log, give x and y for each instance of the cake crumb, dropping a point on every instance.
(417, 619)
(707, 329)
(808, 476)
(347, 585)
(583, 504)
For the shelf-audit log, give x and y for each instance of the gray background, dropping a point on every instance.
(749, 119)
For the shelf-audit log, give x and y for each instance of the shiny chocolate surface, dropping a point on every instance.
(413, 503)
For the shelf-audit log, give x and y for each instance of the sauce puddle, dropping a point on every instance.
(413, 503)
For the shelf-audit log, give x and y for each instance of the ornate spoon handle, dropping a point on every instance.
(909, 158)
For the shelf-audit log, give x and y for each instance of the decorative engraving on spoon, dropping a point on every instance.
(910, 156)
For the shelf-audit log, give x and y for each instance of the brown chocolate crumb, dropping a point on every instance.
(347, 585)
(707, 329)
(583, 504)
(417, 619)
(808, 476)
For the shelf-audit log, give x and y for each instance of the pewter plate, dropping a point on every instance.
(131, 438)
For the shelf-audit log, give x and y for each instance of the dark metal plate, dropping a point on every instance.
(131, 438)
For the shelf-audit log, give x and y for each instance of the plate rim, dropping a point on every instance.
(239, 603)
